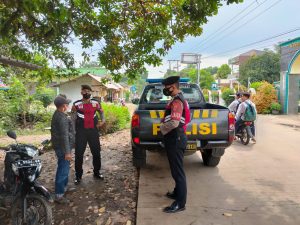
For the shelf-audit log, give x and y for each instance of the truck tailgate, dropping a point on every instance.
(206, 124)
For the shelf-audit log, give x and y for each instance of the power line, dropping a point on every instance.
(253, 43)
(248, 21)
(225, 26)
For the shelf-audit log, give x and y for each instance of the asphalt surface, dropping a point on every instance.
(256, 184)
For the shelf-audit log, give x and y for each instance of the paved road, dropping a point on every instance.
(253, 185)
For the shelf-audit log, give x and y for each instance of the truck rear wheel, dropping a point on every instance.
(138, 157)
(209, 159)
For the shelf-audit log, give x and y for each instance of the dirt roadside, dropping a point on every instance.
(108, 202)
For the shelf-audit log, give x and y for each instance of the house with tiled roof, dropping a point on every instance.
(106, 91)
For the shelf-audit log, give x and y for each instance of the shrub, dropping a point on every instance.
(215, 96)
(127, 96)
(117, 117)
(45, 95)
(275, 106)
(265, 96)
(206, 97)
(205, 91)
(256, 85)
(240, 87)
(228, 96)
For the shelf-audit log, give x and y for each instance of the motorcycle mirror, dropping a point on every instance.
(46, 142)
(12, 134)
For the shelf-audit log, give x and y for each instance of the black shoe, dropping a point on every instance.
(174, 208)
(98, 176)
(77, 180)
(171, 195)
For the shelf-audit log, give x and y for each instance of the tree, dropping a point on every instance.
(45, 95)
(135, 32)
(212, 70)
(228, 96)
(265, 67)
(89, 64)
(19, 100)
(206, 79)
(170, 73)
(223, 71)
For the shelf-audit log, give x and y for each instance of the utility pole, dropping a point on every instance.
(192, 58)
(198, 69)
(249, 82)
(177, 63)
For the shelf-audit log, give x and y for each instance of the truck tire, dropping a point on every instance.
(138, 157)
(209, 159)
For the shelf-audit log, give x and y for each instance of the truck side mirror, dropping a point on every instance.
(135, 101)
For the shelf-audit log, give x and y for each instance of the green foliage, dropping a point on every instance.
(135, 32)
(127, 96)
(215, 94)
(206, 97)
(228, 96)
(223, 71)
(212, 70)
(45, 95)
(19, 110)
(275, 106)
(256, 85)
(206, 79)
(117, 117)
(265, 67)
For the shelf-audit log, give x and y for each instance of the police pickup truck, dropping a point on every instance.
(210, 131)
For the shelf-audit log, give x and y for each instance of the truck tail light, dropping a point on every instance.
(135, 120)
(136, 140)
(231, 123)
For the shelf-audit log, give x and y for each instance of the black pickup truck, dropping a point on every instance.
(211, 129)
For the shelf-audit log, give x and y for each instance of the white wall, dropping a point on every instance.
(73, 88)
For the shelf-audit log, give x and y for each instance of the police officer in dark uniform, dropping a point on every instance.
(86, 125)
(175, 141)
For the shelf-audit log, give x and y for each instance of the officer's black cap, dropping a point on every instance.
(170, 80)
(86, 87)
(60, 100)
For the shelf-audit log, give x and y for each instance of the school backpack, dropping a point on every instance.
(250, 113)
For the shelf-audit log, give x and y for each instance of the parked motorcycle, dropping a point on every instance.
(244, 132)
(22, 195)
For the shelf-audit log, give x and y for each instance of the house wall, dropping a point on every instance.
(290, 77)
(294, 93)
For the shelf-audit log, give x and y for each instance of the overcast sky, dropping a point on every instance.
(253, 21)
(234, 26)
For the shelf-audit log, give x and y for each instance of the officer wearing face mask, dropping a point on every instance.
(173, 129)
(86, 126)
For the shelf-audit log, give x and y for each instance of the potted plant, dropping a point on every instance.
(275, 107)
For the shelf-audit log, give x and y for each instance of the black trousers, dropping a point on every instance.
(84, 136)
(175, 144)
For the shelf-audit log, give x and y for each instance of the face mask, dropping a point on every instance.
(86, 96)
(167, 91)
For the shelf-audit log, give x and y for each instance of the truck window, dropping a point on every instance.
(154, 94)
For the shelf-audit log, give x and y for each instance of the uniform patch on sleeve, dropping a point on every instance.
(176, 110)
